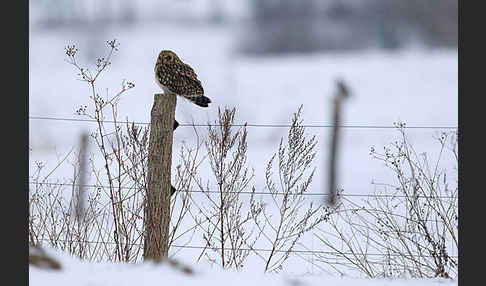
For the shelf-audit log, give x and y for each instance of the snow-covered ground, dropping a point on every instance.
(75, 272)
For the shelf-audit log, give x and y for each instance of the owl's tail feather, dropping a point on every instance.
(202, 100)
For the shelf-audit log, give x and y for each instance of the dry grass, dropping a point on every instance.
(410, 229)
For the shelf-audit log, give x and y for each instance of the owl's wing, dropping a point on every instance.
(180, 79)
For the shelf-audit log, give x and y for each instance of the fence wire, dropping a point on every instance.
(314, 252)
(355, 126)
(242, 192)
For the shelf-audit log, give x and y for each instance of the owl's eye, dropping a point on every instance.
(167, 58)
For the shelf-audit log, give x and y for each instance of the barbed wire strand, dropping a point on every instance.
(249, 249)
(251, 124)
(243, 192)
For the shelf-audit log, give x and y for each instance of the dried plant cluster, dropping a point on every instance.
(411, 230)
(227, 223)
(110, 225)
(295, 215)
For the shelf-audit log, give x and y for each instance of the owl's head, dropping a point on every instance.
(167, 57)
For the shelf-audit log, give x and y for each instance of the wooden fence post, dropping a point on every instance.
(157, 207)
(341, 93)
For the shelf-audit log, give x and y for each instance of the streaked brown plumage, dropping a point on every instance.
(176, 77)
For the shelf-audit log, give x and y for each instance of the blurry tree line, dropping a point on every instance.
(81, 13)
(280, 26)
(52, 14)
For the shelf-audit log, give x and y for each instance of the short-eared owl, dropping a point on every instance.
(176, 77)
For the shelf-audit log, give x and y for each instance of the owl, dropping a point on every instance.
(176, 77)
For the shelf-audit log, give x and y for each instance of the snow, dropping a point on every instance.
(416, 86)
(75, 272)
